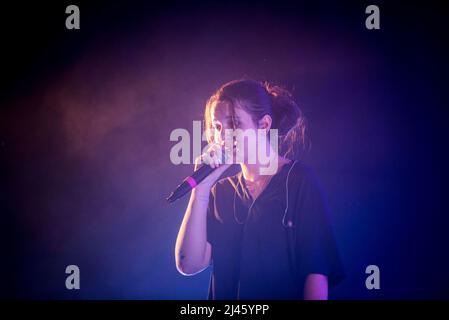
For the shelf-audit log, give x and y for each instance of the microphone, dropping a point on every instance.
(192, 181)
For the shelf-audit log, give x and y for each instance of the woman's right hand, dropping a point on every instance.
(212, 158)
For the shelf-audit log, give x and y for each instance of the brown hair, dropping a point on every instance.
(259, 99)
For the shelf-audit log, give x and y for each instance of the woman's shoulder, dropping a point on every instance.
(303, 171)
(305, 177)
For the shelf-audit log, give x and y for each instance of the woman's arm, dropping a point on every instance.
(315, 287)
(192, 251)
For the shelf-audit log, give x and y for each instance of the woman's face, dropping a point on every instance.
(223, 117)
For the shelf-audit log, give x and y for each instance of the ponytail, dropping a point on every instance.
(290, 122)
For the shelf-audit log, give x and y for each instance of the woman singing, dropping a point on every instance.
(267, 236)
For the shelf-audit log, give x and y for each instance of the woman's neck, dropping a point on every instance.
(252, 172)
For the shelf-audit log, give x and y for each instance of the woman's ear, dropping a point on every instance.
(265, 122)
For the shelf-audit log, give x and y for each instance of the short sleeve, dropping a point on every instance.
(316, 247)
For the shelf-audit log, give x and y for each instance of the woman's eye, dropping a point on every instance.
(218, 126)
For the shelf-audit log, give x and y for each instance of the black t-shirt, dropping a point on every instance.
(261, 252)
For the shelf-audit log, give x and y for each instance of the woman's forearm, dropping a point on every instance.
(192, 250)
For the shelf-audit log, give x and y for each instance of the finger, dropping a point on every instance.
(215, 148)
(220, 158)
(212, 161)
(207, 159)
(216, 161)
(218, 149)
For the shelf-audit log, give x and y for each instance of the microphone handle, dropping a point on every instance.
(190, 182)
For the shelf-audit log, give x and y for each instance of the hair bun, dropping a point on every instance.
(289, 120)
(285, 110)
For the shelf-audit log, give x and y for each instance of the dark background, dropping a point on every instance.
(86, 116)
